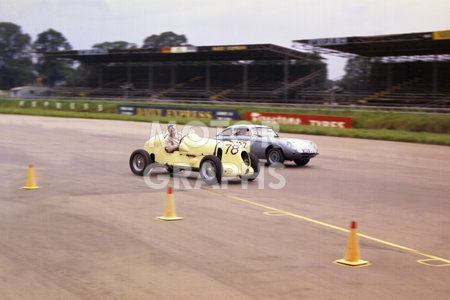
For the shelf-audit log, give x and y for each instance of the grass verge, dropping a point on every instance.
(362, 119)
(377, 134)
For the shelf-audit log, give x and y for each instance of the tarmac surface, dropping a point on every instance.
(90, 231)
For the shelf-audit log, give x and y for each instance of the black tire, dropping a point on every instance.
(274, 156)
(139, 160)
(211, 169)
(301, 161)
(254, 163)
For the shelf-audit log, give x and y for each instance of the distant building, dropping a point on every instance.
(29, 92)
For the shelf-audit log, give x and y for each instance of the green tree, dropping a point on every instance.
(51, 70)
(16, 67)
(114, 45)
(357, 73)
(165, 39)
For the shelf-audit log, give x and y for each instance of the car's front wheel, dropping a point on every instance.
(274, 156)
(301, 162)
(139, 160)
(211, 169)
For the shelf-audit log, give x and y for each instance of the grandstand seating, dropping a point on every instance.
(265, 82)
(411, 84)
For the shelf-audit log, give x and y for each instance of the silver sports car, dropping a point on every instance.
(265, 143)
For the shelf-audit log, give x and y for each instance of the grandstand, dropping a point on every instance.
(259, 73)
(405, 69)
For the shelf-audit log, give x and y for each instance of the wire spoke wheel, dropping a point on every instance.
(208, 171)
(139, 162)
(211, 169)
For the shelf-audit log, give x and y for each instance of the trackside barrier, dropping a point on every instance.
(260, 104)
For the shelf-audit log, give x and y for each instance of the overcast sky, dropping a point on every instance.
(211, 22)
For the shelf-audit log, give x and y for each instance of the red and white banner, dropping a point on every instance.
(311, 120)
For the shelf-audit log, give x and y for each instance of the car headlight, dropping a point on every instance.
(294, 146)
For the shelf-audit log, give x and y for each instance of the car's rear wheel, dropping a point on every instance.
(301, 161)
(139, 160)
(274, 156)
(211, 169)
(254, 163)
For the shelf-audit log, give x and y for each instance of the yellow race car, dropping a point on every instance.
(214, 159)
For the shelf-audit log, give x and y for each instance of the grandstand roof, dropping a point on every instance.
(187, 53)
(408, 44)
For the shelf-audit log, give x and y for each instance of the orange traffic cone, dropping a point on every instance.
(169, 214)
(31, 181)
(352, 253)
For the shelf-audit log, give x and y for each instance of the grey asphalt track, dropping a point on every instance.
(90, 231)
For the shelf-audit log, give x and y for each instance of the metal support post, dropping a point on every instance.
(389, 76)
(286, 77)
(172, 76)
(100, 76)
(245, 79)
(208, 76)
(150, 77)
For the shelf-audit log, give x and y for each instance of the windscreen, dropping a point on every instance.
(264, 132)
